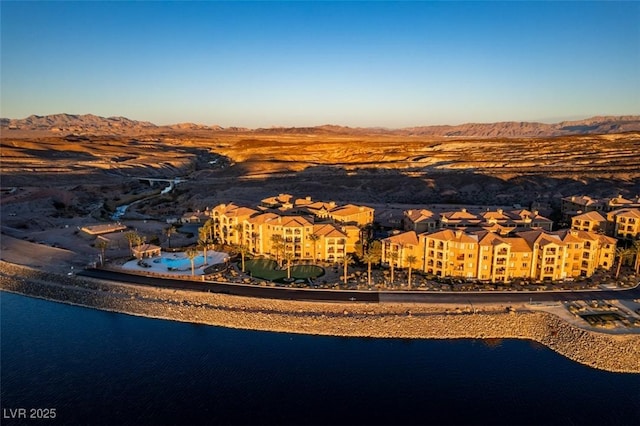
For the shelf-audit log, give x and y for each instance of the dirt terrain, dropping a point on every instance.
(55, 180)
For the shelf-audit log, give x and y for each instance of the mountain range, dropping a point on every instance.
(92, 124)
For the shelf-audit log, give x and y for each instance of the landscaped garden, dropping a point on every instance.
(268, 269)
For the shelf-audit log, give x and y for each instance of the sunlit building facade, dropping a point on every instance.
(535, 254)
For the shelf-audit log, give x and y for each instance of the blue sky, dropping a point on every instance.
(262, 64)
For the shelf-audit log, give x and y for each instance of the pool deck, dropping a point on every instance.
(155, 265)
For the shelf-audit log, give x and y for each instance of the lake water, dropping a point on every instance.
(98, 367)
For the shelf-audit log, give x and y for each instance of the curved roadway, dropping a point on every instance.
(363, 296)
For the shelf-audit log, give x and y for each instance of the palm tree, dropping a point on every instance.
(375, 248)
(254, 241)
(289, 258)
(314, 239)
(238, 228)
(203, 241)
(369, 258)
(365, 238)
(192, 254)
(139, 240)
(102, 246)
(392, 264)
(243, 250)
(346, 261)
(621, 254)
(132, 237)
(210, 226)
(636, 252)
(277, 245)
(169, 231)
(411, 259)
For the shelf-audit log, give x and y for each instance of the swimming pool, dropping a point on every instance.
(176, 263)
(180, 262)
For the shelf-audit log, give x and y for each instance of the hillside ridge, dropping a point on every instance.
(93, 124)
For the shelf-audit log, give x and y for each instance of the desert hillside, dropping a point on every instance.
(90, 124)
(92, 174)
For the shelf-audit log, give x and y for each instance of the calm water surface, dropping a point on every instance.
(98, 367)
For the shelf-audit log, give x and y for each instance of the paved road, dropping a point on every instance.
(508, 297)
(236, 289)
(363, 296)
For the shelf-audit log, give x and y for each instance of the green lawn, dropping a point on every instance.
(266, 269)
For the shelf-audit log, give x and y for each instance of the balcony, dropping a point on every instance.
(502, 252)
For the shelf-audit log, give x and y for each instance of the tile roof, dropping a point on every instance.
(592, 216)
(405, 238)
(420, 215)
(349, 209)
(328, 230)
(518, 245)
(295, 221)
(452, 235)
(626, 213)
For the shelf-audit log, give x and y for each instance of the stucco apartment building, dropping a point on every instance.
(535, 254)
(498, 220)
(579, 204)
(622, 223)
(349, 214)
(279, 227)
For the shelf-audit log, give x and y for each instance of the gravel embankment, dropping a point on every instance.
(619, 353)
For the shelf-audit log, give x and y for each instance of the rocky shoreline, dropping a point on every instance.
(611, 352)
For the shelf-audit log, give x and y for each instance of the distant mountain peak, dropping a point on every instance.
(94, 124)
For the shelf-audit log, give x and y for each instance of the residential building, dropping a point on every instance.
(268, 233)
(352, 214)
(104, 228)
(146, 250)
(625, 223)
(195, 217)
(591, 221)
(449, 253)
(535, 254)
(587, 251)
(228, 222)
(505, 221)
(578, 204)
(398, 249)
